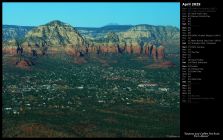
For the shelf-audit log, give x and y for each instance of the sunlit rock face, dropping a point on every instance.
(154, 52)
(55, 33)
(160, 52)
(140, 39)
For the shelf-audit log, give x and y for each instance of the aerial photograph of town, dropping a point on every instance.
(90, 70)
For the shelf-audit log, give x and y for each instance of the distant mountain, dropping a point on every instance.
(129, 33)
(10, 32)
(150, 33)
(99, 33)
(115, 28)
(112, 24)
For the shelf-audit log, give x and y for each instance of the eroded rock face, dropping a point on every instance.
(55, 33)
(148, 50)
(58, 34)
(153, 52)
(160, 53)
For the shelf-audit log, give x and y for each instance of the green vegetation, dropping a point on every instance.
(108, 96)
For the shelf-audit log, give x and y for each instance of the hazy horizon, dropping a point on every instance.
(88, 26)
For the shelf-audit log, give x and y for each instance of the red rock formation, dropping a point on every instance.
(133, 48)
(166, 64)
(103, 49)
(70, 51)
(24, 64)
(9, 50)
(136, 50)
(154, 52)
(160, 52)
